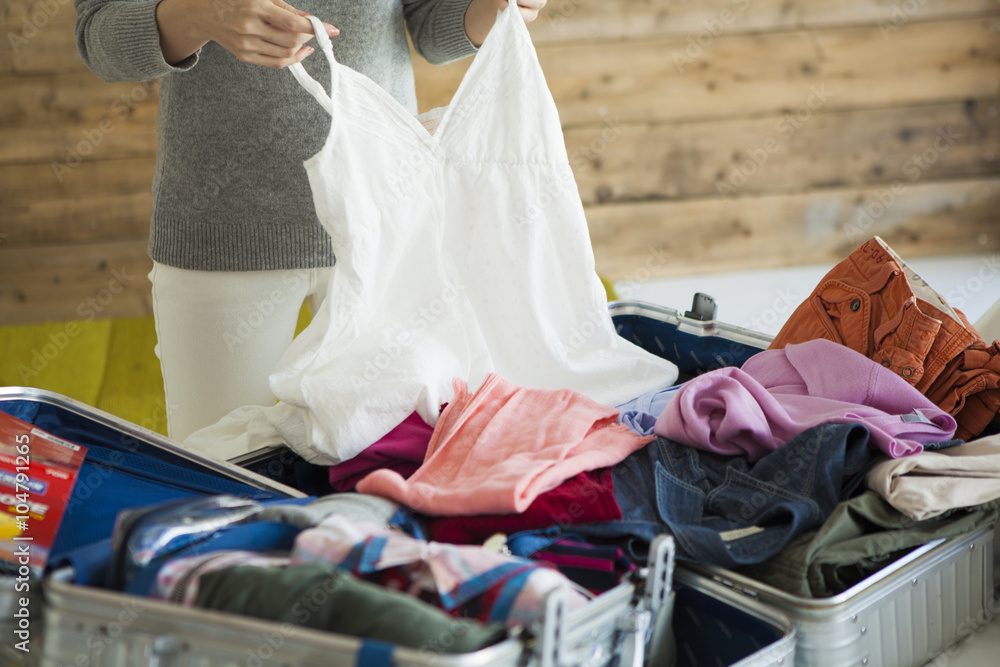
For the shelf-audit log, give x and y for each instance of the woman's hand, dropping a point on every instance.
(271, 33)
(481, 15)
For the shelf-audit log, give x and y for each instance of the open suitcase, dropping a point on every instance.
(83, 625)
(903, 615)
(874, 623)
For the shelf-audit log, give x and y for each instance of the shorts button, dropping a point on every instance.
(907, 372)
(855, 304)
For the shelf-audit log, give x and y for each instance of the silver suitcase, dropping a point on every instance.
(902, 616)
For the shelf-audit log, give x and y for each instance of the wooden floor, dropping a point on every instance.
(706, 136)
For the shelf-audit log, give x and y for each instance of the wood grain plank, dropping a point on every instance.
(565, 20)
(742, 75)
(98, 200)
(79, 281)
(40, 38)
(723, 159)
(636, 241)
(65, 117)
(788, 152)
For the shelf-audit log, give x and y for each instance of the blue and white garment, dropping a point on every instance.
(641, 412)
(465, 581)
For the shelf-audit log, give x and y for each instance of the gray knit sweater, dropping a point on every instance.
(229, 191)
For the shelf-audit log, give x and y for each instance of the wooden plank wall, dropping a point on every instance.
(705, 136)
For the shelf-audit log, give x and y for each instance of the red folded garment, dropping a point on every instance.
(586, 498)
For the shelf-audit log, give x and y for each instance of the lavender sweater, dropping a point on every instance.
(229, 191)
(778, 394)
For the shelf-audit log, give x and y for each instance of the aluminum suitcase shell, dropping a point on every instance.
(904, 615)
(103, 628)
(92, 626)
(780, 653)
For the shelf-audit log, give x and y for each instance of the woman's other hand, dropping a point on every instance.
(481, 15)
(529, 9)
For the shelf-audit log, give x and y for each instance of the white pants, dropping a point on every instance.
(220, 333)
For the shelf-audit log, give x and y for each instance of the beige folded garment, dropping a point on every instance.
(927, 484)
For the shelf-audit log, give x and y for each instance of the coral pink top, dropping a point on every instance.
(495, 451)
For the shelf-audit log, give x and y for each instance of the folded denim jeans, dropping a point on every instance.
(726, 511)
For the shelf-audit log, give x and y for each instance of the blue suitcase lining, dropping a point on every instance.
(150, 476)
(693, 354)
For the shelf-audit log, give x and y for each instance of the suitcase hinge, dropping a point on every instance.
(660, 575)
(554, 615)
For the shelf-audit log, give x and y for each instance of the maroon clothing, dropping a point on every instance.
(402, 449)
(588, 497)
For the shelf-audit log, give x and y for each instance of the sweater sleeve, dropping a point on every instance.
(438, 29)
(119, 40)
